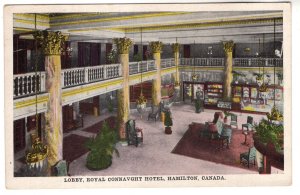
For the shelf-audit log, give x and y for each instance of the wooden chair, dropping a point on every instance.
(248, 157)
(233, 121)
(134, 135)
(60, 168)
(155, 112)
(249, 123)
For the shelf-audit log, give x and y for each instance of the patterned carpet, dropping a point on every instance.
(193, 146)
(73, 147)
(96, 127)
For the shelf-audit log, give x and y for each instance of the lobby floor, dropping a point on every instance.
(154, 156)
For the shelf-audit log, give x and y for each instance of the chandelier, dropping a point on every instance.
(141, 101)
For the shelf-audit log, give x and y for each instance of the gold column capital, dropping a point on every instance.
(176, 47)
(123, 45)
(51, 42)
(156, 46)
(228, 46)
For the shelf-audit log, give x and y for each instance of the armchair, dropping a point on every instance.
(249, 123)
(248, 157)
(155, 113)
(134, 135)
(220, 132)
(233, 121)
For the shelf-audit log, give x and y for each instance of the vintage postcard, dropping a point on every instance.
(148, 95)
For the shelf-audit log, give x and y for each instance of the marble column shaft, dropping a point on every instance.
(156, 48)
(50, 43)
(123, 46)
(228, 47)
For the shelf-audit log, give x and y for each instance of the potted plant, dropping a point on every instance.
(112, 57)
(236, 75)
(259, 78)
(168, 122)
(141, 102)
(101, 148)
(270, 134)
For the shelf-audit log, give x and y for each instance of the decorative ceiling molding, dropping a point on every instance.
(196, 25)
(119, 18)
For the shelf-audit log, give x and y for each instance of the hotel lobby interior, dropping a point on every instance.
(148, 93)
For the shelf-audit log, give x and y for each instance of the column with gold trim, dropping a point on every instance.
(156, 48)
(228, 47)
(51, 43)
(123, 46)
(176, 49)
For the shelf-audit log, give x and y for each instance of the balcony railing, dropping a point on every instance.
(165, 63)
(29, 84)
(32, 83)
(77, 76)
(258, 62)
(144, 66)
(202, 61)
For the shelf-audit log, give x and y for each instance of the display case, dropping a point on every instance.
(191, 90)
(213, 93)
(251, 99)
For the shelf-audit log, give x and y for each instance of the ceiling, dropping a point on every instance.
(168, 27)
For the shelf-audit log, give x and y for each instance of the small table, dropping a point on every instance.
(246, 135)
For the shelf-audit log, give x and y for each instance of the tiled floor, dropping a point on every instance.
(154, 157)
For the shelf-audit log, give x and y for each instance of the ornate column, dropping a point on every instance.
(156, 48)
(50, 43)
(228, 47)
(176, 48)
(123, 46)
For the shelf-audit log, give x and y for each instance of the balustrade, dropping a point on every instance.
(202, 61)
(143, 66)
(29, 84)
(169, 62)
(257, 62)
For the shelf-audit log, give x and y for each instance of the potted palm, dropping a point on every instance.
(270, 134)
(168, 122)
(101, 148)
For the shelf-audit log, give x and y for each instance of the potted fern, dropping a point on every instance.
(101, 148)
(168, 122)
(270, 134)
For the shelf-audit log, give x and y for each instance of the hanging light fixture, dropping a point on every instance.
(275, 114)
(177, 83)
(261, 77)
(194, 76)
(39, 152)
(141, 101)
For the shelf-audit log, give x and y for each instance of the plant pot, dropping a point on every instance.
(96, 166)
(168, 130)
(198, 110)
